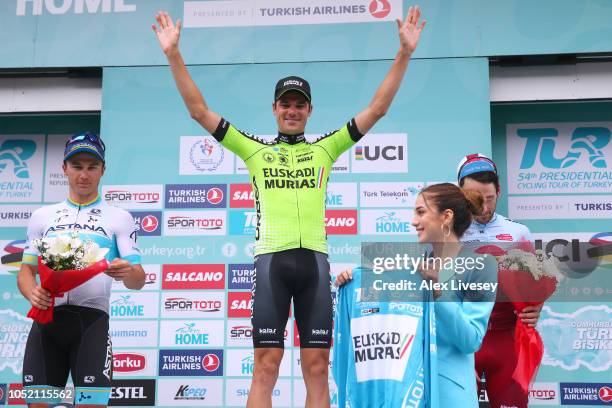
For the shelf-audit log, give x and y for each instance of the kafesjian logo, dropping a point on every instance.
(585, 141)
(15, 153)
(12, 253)
(14, 330)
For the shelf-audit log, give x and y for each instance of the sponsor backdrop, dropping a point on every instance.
(52, 33)
(185, 339)
(556, 172)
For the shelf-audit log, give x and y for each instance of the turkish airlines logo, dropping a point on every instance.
(129, 362)
(341, 222)
(214, 195)
(380, 8)
(240, 304)
(149, 223)
(211, 362)
(605, 394)
(241, 196)
(195, 276)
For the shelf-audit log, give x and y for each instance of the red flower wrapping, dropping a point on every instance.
(60, 282)
(523, 290)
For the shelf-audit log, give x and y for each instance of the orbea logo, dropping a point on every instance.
(541, 143)
(14, 153)
(129, 362)
(380, 8)
(195, 276)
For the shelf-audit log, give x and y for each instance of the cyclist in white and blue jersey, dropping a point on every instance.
(77, 341)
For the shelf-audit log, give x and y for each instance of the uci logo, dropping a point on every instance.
(585, 140)
(16, 152)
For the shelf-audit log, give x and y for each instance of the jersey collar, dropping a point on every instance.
(491, 221)
(290, 139)
(83, 205)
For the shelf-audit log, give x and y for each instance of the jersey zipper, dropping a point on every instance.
(297, 201)
(76, 220)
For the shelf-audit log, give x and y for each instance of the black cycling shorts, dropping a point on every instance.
(76, 342)
(301, 274)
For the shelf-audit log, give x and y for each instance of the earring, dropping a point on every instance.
(446, 234)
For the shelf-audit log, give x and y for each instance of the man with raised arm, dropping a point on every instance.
(289, 177)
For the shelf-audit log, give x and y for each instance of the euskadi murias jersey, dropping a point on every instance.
(384, 353)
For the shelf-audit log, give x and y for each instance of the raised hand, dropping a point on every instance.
(409, 30)
(168, 33)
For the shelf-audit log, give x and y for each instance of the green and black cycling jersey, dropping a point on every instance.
(289, 177)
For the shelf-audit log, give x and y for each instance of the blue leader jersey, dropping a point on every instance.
(384, 353)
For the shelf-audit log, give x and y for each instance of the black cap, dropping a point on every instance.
(292, 83)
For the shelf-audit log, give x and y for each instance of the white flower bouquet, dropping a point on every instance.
(65, 262)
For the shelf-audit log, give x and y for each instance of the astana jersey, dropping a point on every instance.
(289, 178)
(384, 353)
(110, 227)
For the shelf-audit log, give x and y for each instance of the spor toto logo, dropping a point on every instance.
(149, 223)
(380, 8)
(210, 362)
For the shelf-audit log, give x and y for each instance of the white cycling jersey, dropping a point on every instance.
(499, 229)
(110, 227)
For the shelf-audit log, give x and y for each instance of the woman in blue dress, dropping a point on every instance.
(463, 293)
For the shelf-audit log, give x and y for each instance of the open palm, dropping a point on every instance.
(409, 30)
(167, 33)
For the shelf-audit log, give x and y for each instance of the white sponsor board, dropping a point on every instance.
(56, 182)
(16, 215)
(135, 197)
(21, 168)
(193, 305)
(249, 13)
(560, 207)
(559, 157)
(191, 333)
(386, 222)
(240, 333)
(195, 223)
(134, 305)
(190, 392)
(341, 195)
(128, 333)
(342, 164)
(381, 153)
(204, 155)
(239, 363)
(237, 392)
(541, 393)
(389, 195)
(134, 363)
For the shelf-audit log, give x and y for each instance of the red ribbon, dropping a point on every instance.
(60, 282)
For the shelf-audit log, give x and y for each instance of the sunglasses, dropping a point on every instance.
(87, 136)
